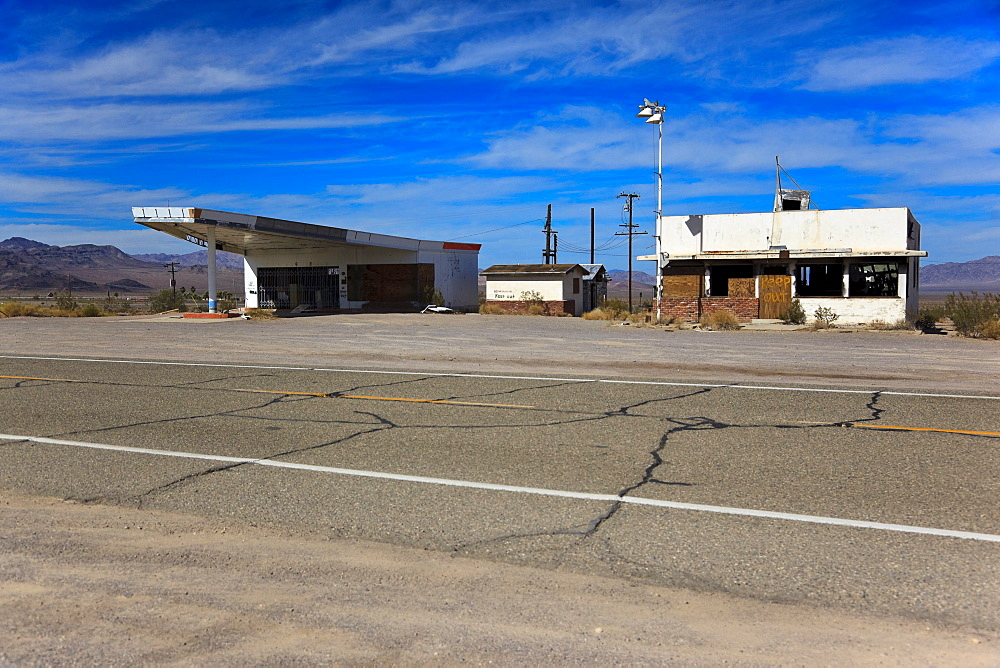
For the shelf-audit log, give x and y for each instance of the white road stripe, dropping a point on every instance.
(612, 381)
(723, 510)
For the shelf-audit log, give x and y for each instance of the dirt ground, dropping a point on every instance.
(87, 585)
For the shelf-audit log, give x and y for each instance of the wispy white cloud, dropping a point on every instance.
(437, 38)
(158, 64)
(956, 148)
(576, 139)
(374, 207)
(449, 190)
(111, 121)
(576, 39)
(78, 197)
(901, 60)
(957, 242)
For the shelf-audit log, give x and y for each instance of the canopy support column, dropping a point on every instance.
(211, 269)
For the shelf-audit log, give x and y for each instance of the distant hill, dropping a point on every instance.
(643, 285)
(29, 267)
(20, 244)
(637, 276)
(222, 259)
(982, 274)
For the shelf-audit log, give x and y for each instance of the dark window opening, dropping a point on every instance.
(576, 286)
(873, 279)
(719, 279)
(819, 280)
(791, 205)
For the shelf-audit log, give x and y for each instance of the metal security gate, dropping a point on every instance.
(289, 287)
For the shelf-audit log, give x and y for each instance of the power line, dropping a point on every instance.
(507, 227)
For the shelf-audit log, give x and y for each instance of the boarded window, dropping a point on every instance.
(682, 282)
(737, 276)
(576, 286)
(820, 280)
(873, 279)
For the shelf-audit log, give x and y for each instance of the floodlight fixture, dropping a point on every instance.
(653, 112)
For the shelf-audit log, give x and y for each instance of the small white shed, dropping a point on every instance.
(558, 287)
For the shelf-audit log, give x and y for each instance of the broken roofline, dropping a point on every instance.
(182, 222)
(782, 254)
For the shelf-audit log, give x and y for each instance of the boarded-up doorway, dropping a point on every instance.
(775, 292)
(390, 283)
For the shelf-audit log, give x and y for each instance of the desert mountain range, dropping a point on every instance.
(30, 267)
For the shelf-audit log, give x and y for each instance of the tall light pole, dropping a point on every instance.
(653, 113)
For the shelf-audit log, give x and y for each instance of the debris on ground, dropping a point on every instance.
(431, 308)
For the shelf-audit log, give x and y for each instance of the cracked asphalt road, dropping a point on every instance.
(779, 450)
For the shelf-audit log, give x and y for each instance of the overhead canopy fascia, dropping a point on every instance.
(242, 233)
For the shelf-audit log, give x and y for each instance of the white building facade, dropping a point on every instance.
(863, 264)
(289, 265)
(559, 287)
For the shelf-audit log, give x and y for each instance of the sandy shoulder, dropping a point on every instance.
(99, 584)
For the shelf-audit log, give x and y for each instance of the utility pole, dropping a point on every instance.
(591, 235)
(173, 277)
(551, 239)
(629, 232)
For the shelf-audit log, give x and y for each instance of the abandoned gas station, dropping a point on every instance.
(292, 265)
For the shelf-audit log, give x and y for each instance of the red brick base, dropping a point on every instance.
(680, 308)
(693, 309)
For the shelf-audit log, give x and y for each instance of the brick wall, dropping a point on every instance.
(680, 308)
(744, 308)
(692, 310)
(521, 307)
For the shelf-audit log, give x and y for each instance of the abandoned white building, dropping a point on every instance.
(289, 264)
(861, 263)
(559, 288)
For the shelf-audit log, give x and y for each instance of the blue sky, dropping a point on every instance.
(461, 121)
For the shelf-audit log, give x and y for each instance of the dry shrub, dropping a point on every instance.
(883, 326)
(607, 312)
(794, 314)
(536, 309)
(973, 314)
(990, 329)
(722, 320)
(596, 314)
(19, 309)
(260, 314)
(825, 317)
(16, 309)
(491, 309)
